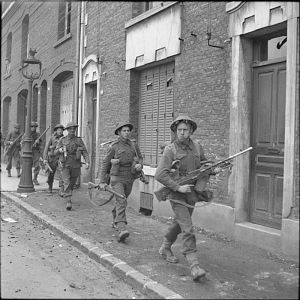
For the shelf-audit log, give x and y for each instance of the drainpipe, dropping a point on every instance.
(80, 107)
(77, 63)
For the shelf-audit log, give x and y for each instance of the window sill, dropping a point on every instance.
(148, 14)
(62, 40)
(7, 75)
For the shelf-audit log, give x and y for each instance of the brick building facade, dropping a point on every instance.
(146, 62)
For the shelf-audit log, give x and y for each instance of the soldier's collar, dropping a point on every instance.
(185, 144)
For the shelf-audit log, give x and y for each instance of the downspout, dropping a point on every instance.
(77, 64)
(81, 34)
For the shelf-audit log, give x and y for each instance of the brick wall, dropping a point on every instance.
(202, 81)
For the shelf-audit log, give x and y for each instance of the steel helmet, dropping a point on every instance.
(17, 125)
(59, 126)
(34, 124)
(71, 124)
(122, 124)
(180, 119)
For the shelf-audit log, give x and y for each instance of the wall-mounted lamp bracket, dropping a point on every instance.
(208, 34)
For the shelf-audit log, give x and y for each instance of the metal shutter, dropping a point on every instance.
(156, 110)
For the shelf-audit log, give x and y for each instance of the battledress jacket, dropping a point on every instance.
(72, 144)
(10, 138)
(50, 147)
(188, 153)
(125, 150)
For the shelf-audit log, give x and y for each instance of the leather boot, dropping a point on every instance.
(69, 203)
(123, 232)
(166, 252)
(35, 180)
(196, 271)
(18, 173)
(8, 173)
(50, 184)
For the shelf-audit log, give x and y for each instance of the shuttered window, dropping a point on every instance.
(156, 110)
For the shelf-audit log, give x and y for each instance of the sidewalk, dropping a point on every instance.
(234, 270)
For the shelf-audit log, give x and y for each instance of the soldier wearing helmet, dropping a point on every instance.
(13, 150)
(36, 150)
(187, 155)
(122, 162)
(52, 159)
(70, 149)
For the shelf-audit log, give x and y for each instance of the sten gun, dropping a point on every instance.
(10, 147)
(40, 137)
(191, 177)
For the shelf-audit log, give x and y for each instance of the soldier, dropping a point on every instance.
(52, 159)
(122, 162)
(187, 154)
(14, 152)
(36, 151)
(70, 149)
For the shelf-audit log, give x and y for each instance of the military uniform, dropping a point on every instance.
(70, 161)
(122, 174)
(15, 152)
(52, 158)
(36, 152)
(189, 155)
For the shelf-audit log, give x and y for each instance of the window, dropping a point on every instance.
(64, 19)
(156, 111)
(25, 38)
(8, 53)
(270, 47)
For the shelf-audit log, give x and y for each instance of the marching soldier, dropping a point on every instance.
(36, 151)
(70, 148)
(51, 159)
(122, 163)
(14, 151)
(187, 154)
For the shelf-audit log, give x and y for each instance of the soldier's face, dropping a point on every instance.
(124, 132)
(33, 128)
(71, 130)
(59, 131)
(17, 130)
(184, 131)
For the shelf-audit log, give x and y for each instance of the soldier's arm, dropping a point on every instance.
(106, 164)
(85, 153)
(162, 173)
(59, 146)
(7, 140)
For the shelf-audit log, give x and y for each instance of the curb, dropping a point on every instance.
(143, 283)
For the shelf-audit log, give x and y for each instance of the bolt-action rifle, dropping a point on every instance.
(10, 148)
(192, 177)
(45, 165)
(40, 137)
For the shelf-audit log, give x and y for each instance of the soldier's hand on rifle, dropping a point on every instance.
(61, 150)
(102, 186)
(87, 165)
(185, 188)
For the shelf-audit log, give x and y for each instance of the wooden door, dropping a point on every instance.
(267, 158)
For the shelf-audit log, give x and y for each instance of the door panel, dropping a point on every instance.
(268, 140)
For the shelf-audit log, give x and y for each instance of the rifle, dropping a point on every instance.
(11, 146)
(162, 193)
(92, 185)
(36, 141)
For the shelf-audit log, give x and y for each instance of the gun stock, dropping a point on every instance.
(92, 185)
(162, 193)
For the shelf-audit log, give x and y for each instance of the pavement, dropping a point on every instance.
(235, 270)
